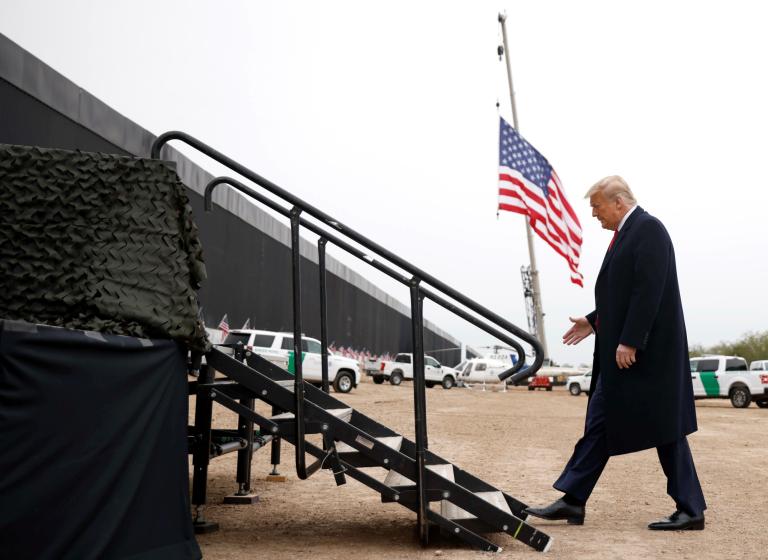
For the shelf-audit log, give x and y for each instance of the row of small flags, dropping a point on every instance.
(359, 355)
(224, 323)
(224, 326)
(347, 352)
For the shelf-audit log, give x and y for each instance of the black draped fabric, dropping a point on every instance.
(93, 458)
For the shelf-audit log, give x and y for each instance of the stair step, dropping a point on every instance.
(454, 512)
(340, 413)
(445, 470)
(286, 384)
(390, 441)
(396, 479)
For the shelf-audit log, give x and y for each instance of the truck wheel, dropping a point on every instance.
(429, 384)
(378, 379)
(396, 378)
(448, 382)
(740, 396)
(762, 404)
(575, 389)
(343, 382)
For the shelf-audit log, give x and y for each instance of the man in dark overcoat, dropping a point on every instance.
(641, 394)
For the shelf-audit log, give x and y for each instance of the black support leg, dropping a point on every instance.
(201, 458)
(275, 476)
(244, 459)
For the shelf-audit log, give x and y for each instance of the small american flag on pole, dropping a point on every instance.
(224, 327)
(529, 186)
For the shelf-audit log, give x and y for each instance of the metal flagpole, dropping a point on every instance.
(529, 233)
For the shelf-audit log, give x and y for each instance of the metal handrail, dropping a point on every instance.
(418, 293)
(361, 255)
(369, 244)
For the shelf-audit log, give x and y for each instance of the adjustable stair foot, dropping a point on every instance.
(201, 525)
(275, 476)
(204, 527)
(243, 496)
(240, 500)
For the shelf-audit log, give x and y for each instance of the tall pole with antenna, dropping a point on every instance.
(536, 289)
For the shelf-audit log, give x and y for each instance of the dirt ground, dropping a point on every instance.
(519, 442)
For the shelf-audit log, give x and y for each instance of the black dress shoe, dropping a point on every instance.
(679, 521)
(559, 510)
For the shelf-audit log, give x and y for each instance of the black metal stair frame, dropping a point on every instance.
(363, 447)
(488, 321)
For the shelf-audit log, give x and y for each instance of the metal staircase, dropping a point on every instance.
(354, 445)
(441, 494)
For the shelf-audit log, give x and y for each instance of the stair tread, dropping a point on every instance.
(445, 470)
(396, 479)
(454, 512)
(390, 441)
(287, 384)
(341, 413)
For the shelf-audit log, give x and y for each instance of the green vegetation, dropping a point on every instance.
(751, 346)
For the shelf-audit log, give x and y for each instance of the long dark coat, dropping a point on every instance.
(637, 303)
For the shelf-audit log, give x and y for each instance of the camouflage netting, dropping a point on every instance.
(98, 242)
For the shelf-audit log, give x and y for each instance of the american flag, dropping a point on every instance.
(529, 186)
(224, 327)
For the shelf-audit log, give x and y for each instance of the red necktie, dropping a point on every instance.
(615, 233)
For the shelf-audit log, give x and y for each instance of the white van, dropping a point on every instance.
(277, 347)
(727, 377)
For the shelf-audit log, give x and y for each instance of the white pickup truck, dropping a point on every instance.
(277, 347)
(401, 368)
(727, 377)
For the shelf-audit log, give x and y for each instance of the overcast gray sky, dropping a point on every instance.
(384, 115)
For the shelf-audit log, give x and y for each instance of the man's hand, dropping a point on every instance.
(625, 356)
(580, 330)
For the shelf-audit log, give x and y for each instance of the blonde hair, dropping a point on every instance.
(613, 187)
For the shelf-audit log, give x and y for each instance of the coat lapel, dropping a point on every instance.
(622, 233)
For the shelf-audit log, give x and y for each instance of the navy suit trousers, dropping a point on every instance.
(591, 455)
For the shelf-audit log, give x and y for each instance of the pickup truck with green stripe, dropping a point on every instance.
(727, 377)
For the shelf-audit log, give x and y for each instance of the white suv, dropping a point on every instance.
(578, 384)
(277, 347)
(728, 377)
